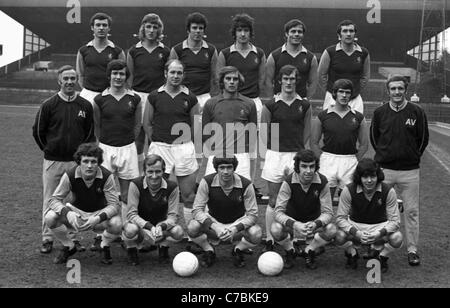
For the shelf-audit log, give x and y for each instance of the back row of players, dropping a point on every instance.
(117, 115)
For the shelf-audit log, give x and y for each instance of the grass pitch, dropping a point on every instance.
(22, 265)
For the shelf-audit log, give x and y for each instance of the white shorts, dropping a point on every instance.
(370, 228)
(180, 157)
(277, 166)
(143, 97)
(198, 118)
(202, 100)
(356, 103)
(89, 95)
(122, 161)
(338, 168)
(243, 167)
(259, 107)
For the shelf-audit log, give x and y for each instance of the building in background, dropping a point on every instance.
(11, 40)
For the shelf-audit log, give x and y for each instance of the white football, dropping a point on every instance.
(270, 263)
(185, 264)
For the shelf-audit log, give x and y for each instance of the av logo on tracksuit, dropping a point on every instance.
(411, 122)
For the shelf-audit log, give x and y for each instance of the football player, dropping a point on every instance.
(228, 110)
(169, 123)
(368, 214)
(199, 59)
(292, 114)
(250, 61)
(145, 61)
(232, 213)
(345, 137)
(93, 58)
(303, 210)
(151, 213)
(94, 203)
(345, 60)
(117, 117)
(293, 52)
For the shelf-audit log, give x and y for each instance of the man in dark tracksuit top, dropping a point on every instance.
(232, 212)
(151, 212)
(94, 203)
(368, 214)
(63, 122)
(303, 210)
(399, 135)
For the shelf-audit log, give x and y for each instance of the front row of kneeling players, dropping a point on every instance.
(225, 210)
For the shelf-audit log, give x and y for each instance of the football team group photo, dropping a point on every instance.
(227, 166)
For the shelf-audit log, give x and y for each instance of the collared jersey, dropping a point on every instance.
(346, 66)
(197, 66)
(95, 64)
(304, 203)
(170, 111)
(291, 121)
(354, 206)
(154, 208)
(117, 118)
(368, 211)
(98, 194)
(248, 67)
(235, 205)
(223, 111)
(340, 134)
(226, 208)
(88, 199)
(148, 67)
(305, 206)
(302, 62)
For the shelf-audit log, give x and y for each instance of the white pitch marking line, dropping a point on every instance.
(20, 106)
(17, 114)
(431, 147)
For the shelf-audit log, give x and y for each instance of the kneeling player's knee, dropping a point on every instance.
(51, 219)
(177, 233)
(340, 237)
(396, 239)
(276, 229)
(193, 228)
(329, 232)
(254, 234)
(115, 225)
(130, 230)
